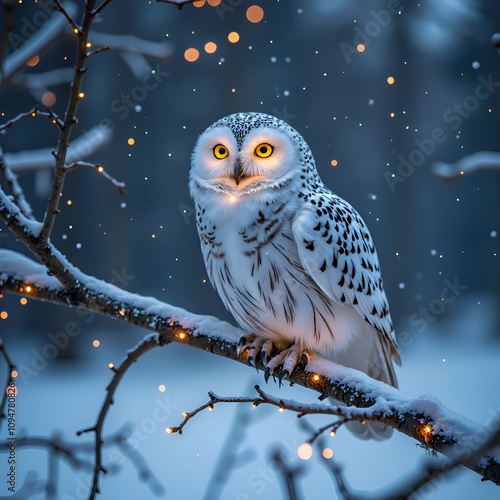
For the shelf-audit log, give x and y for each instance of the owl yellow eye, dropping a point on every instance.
(264, 150)
(220, 152)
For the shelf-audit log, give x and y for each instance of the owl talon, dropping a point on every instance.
(305, 359)
(267, 374)
(283, 375)
(263, 357)
(251, 362)
(241, 344)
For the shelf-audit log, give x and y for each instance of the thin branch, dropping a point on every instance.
(418, 418)
(476, 162)
(99, 8)
(97, 51)
(287, 473)
(11, 367)
(33, 112)
(179, 3)
(120, 186)
(146, 345)
(283, 404)
(71, 21)
(15, 188)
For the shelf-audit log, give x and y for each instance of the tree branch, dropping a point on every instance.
(132, 356)
(476, 162)
(448, 432)
(120, 186)
(40, 159)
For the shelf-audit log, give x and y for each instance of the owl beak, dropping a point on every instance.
(238, 172)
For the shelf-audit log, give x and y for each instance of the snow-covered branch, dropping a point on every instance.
(39, 159)
(424, 419)
(470, 164)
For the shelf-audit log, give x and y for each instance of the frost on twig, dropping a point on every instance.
(476, 162)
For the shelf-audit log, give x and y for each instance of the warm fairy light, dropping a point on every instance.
(305, 451)
(328, 453)
(211, 407)
(390, 80)
(182, 335)
(100, 169)
(233, 37)
(184, 413)
(392, 115)
(281, 409)
(75, 30)
(334, 163)
(162, 388)
(233, 90)
(32, 114)
(407, 127)
(14, 374)
(315, 377)
(199, 3)
(427, 429)
(254, 404)
(49, 98)
(27, 289)
(210, 47)
(33, 61)
(191, 55)
(462, 172)
(69, 202)
(89, 44)
(81, 95)
(232, 198)
(153, 236)
(363, 422)
(332, 433)
(23, 301)
(121, 312)
(361, 47)
(131, 141)
(96, 343)
(255, 14)
(168, 430)
(111, 366)
(4, 315)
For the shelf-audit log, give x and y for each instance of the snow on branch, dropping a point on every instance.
(40, 159)
(424, 419)
(476, 162)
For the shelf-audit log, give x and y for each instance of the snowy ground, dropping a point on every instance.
(67, 397)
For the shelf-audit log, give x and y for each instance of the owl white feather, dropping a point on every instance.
(294, 263)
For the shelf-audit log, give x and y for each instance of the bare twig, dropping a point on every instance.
(71, 21)
(11, 367)
(99, 8)
(120, 186)
(179, 3)
(288, 474)
(97, 51)
(301, 409)
(33, 112)
(132, 356)
(471, 164)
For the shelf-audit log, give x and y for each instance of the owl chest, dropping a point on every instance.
(249, 261)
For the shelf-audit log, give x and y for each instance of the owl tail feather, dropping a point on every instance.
(371, 355)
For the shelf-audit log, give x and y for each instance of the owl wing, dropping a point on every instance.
(337, 250)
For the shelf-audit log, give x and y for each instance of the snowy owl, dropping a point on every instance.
(293, 262)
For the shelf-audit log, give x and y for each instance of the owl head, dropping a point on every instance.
(246, 155)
